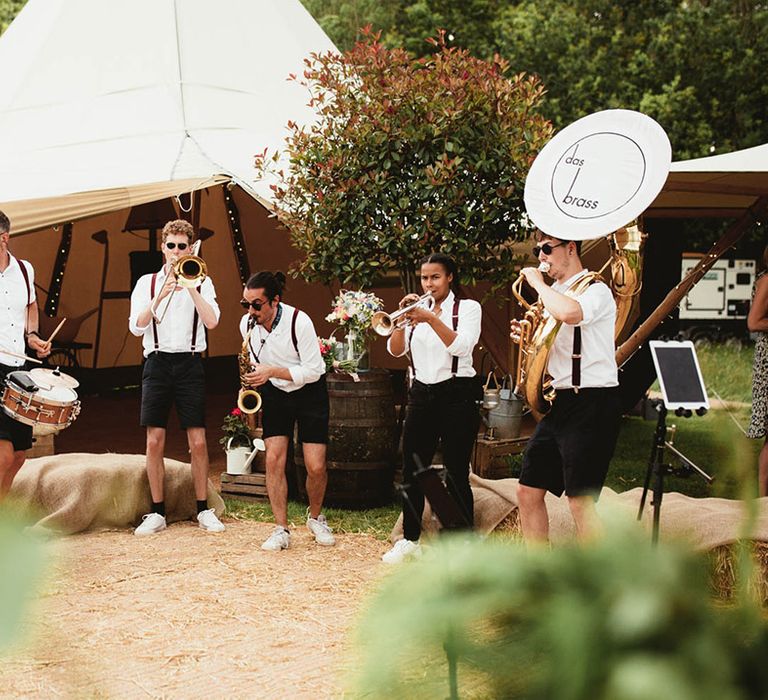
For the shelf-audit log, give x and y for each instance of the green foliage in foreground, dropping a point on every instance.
(619, 619)
(21, 565)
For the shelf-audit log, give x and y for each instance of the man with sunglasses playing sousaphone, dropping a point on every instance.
(289, 372)
(573, 444)
(591, 179)
(172, 320)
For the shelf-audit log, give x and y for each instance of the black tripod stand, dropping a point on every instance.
(452, 516)
(658, 469)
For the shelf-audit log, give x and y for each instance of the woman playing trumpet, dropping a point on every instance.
(443, 398)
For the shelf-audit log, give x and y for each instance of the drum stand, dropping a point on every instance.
(658, 469)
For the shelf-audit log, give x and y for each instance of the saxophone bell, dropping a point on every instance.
(248, 400)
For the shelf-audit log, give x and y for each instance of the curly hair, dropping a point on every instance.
(178, 226)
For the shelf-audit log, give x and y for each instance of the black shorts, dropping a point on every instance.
(308, 405)
(12, 430)
(168, 378)
(572, 446)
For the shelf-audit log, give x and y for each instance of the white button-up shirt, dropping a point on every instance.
(174, 334)
(598, 350)
(432, 359)
(276, 348)
(13, 309)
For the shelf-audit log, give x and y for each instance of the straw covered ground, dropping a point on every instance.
(187, 614)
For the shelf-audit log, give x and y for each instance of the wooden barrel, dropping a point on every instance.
(361, 441)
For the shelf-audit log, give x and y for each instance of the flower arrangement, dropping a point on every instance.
(236, 428)
(331, 351)
(353, 311)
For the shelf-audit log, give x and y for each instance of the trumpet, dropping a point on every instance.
(385, 324)
(190, 271)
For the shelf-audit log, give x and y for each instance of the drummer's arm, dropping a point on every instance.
(42, 348)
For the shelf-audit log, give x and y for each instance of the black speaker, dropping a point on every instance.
(144, 262)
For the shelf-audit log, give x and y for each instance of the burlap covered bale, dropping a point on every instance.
(706, 523)
(70, 493)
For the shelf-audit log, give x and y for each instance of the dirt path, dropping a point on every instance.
(187, 614)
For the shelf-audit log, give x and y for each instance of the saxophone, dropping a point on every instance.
(248, 400)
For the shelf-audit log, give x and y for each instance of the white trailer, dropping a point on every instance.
(717, 306)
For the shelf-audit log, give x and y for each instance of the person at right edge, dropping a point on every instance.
(573, 444)
(443, 401)
(757, 322)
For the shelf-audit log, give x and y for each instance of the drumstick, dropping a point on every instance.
(56, 330)
(20, 357)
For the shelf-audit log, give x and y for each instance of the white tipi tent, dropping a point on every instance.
(100, 95)
(106, 105)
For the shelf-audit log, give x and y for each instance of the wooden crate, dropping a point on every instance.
(490, 456)
(42, 446)
(247, 487)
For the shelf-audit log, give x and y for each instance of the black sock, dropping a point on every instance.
(201, 506)
(159, 508)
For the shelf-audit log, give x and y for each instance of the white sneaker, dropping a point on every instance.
(279, 539)
(319, 528)
(151, 524)
(209, 521)
(402, 550)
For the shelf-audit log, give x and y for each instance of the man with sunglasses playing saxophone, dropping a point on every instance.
(289, 372)
(572, 445)
(172, 321)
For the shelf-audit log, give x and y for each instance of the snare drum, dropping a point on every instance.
(47, 408)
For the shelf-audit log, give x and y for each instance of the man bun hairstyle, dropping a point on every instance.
(273, 283)
(178, 226)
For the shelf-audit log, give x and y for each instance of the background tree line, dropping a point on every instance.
(696, 66)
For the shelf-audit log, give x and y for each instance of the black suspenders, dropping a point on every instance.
(455, 361)
(154, 324)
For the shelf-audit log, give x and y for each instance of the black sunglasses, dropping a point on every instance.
(546, 248)
(255, 305)
(171, 245)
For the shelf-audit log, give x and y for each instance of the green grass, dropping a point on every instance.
(713, 442)
(377, 522)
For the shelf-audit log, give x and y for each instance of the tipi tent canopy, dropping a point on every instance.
(122, 99)
(726, 185)
(105, 106)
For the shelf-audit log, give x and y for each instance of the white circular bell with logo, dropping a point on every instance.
(597, 174)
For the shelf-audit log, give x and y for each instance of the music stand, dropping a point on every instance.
(683, 391)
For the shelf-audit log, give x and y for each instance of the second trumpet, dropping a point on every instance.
(385, 324)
